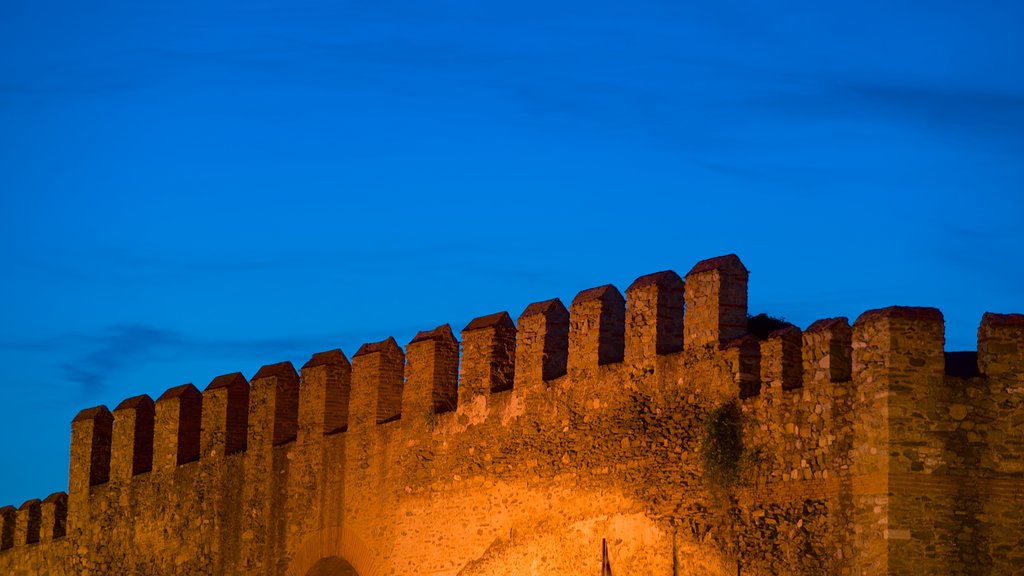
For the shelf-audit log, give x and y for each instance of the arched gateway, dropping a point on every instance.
(332, 566)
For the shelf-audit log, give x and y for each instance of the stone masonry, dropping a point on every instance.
(652, 421)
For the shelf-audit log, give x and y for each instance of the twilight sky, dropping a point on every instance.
(194, 188)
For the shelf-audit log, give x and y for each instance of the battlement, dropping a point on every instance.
(591, 335)
(688, 334)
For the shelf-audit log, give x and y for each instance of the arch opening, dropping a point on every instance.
(332, 566)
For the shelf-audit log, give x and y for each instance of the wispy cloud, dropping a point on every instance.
(90, 361)
(961, 109)
(114, 348)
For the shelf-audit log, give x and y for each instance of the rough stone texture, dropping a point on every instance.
(596, 329)
(132, 441)
(28, 521)
(846, 450)
(542, 346)
(716, 301)
(53, 516)
(8, 526)
(826, 352)
(488, 356)
(225, 415)
(432, 375)
(781, 364)
(655, 318)
(178, 422)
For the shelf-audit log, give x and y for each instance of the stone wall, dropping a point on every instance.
(686, 444)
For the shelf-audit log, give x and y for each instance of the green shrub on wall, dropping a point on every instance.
(721, 449)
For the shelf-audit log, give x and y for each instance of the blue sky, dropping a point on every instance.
(194, 188)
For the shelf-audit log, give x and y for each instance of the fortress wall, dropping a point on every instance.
(983, 447)
(558, 430)
(323, 415)
(224, 436)
(491, 440)
(920, 526)
(791, 509)
(796, 419)
(938, 488)
(273, 422)
(503, 489)
(997, 401)
(373, 444)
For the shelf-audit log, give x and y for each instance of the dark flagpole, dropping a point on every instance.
(606, 567)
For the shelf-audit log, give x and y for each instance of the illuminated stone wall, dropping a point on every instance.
(689, 445)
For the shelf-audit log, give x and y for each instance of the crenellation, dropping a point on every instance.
(432, 375)
(91, 432)
(53, 517)
(225, 416)
(8, 526)
(743, 357)
(324, 394)
(1001, 345)
(132, 441)
(715, 301)
(378, 376)
(781, 365)
(899, 372)
(178, 422)
(654, 318)
(273, 405)
(272, 428)
(29, 519)
(863, 449)
(995, 400)
(597, 319)
(870, 345)
(542, 346)
(488, 356)
(826, 350)
(898, 354)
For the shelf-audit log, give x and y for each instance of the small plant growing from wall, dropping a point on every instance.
(721, 449)
(761, 325)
